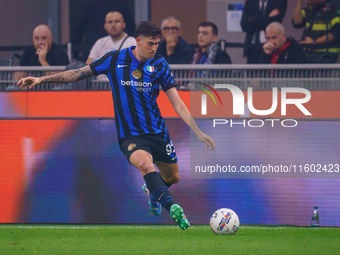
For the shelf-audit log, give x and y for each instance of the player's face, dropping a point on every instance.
(277, 38)
(147, 47)
(114, 24)
(42, 36)
(205, 37)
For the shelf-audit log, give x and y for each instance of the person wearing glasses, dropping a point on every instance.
(174, 48)
(116, 39)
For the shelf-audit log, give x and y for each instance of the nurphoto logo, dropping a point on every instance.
(239, 104)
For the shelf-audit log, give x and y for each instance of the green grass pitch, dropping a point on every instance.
(164, 239)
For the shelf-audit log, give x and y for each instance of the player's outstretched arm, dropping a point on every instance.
(64, 77)
(183, 112)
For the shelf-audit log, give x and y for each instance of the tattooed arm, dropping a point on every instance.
(64, 77)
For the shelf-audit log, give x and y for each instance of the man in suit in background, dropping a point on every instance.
(257, 15)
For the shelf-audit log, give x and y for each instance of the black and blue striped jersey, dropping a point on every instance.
(135, 88)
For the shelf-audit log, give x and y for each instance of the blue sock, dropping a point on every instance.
(159, 190)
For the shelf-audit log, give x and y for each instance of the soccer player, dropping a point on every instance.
(135, 75)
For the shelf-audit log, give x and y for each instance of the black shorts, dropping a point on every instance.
(158, 145)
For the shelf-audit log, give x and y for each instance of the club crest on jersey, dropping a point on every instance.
(150, 68)
(131, 146)
(137, 74)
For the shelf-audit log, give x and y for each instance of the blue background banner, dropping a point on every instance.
(81, 176)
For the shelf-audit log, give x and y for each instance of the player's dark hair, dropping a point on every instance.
(209, 24)
(148, 29)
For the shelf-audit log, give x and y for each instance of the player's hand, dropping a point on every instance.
(207, 140)
(42, 53)
(268, 48)
(29, 81)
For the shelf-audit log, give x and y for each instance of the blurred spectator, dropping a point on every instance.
(257, 15)
(44, 52)
(173, 48)
(321, 20)
(90, 22)
(279, 49)
(116, 40)
(208, 51)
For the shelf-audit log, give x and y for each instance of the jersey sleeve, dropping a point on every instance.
(167, 79)
(102, 64)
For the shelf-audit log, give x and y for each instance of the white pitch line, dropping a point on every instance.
(140, 227)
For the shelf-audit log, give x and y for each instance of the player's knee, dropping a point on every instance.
(145, 167)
